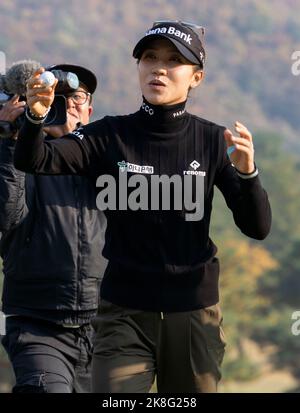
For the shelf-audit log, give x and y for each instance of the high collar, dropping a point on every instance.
(163, 118)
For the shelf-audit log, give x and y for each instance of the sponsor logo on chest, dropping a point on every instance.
(138, 169)
(194, 165)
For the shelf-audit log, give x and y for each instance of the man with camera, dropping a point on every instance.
(51, 236)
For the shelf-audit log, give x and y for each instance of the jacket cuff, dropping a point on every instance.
(37, 120)
(248, 176)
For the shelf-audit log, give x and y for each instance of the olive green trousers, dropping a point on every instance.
(183, 350)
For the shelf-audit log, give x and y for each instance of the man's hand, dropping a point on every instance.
(60, 130)
(12, 109)
(240, 149)
(39, 97)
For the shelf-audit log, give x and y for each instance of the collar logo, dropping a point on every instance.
(147, 109)
(179, 113)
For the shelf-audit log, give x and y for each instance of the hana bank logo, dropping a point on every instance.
(173, 31)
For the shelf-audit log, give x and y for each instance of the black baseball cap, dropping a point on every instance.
(181, 34)
(84, 75)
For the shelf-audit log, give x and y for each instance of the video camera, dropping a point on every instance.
(14, 82)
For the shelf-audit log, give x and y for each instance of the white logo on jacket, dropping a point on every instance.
(138, 169)
(195, 165)
(78, 134)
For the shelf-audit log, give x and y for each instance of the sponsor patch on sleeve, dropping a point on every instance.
(78, 133)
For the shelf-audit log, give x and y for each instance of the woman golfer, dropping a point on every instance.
(156, 170)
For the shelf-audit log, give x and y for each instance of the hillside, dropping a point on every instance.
(249, 47)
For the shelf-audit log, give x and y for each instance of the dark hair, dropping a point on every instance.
(196, 68)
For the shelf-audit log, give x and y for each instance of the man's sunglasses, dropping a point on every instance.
(79, 97)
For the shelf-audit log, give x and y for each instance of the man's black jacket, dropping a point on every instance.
(52, 238)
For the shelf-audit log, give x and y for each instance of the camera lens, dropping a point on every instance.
(72, 80)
